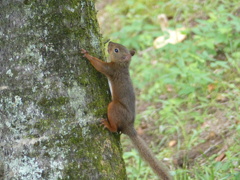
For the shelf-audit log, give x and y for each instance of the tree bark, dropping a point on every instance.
(51, 98)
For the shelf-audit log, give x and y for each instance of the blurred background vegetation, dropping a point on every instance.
(188, 93)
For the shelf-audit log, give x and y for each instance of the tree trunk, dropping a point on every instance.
(51, 98)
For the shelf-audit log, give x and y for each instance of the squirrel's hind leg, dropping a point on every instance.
(110, 126)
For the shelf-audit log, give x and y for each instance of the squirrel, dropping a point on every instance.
(121, 110)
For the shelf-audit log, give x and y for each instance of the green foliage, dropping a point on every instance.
(134, 22)
(192, 65)
(135, 171)
(183, 83)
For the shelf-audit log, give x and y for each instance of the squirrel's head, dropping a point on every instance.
(119, 53)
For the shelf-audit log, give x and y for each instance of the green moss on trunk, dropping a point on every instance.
(52, 98)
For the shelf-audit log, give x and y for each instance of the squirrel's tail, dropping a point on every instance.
(149, 157)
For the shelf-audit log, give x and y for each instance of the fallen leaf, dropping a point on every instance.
(172, 143)
(211, 87)
(220, 157)
(174, 36)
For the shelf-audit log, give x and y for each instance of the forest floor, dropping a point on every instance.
(188, 94)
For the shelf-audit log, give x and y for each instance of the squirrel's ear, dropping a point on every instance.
(132, 52)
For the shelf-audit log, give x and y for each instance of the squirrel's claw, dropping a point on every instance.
(104, 123)
(84, 52)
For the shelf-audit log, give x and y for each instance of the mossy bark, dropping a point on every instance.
(51, 98)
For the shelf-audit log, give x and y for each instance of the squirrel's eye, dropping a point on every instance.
(116, 50)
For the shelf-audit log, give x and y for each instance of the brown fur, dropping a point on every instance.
(121, 111)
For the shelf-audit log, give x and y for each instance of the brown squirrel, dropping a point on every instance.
(121, 111)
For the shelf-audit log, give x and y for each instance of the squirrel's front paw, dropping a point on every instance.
(84, 52)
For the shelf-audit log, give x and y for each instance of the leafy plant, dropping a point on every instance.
(185, 84)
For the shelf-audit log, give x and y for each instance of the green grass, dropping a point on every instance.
(186, 90)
